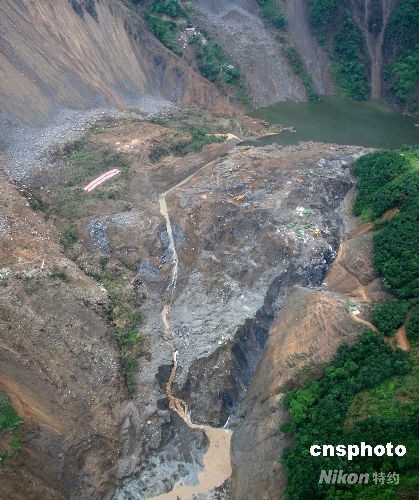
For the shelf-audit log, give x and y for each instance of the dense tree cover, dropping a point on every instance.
(349, 67)
(171, 8)
(403, 76)
(376, 172)
(402, 40)
(369, 392)
(396, 253)
(273, 13)
(331, 22)
(322, 14)
(403, 25)
(390, 179)
(318, 416)
(389, 315)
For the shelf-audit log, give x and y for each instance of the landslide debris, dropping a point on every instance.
(58, 362)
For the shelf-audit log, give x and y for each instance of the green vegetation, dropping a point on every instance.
(369, 392)
(171, 8)
(165, 30)
(376, 174)
(322, 14)
(15, 445)
(349, 68)
(272, 12)
(402, 43)
(68, 237)
(185, 136)
(66, 202)
(9, 419)
(166, 18)
(57, 272)
(390, 179)
(403, 76)
(412, 327)
(334, 25)
(213, 65)
(9, 422)
(319, 412)
(125, 319)
(198, 139)
(82, 162)
(389, 315)
(216, 67)
(299, 69)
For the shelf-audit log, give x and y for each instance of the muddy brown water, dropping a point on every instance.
(339, 120)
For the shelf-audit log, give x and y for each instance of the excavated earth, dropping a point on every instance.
(252, 226)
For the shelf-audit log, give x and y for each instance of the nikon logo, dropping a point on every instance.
(338, 477)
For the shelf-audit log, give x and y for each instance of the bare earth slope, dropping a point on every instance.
(315, 58)
(58, 363)
(53, 56)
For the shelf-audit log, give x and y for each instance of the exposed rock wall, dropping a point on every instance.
(304, 337)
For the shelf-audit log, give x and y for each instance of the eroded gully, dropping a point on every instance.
(217, 464)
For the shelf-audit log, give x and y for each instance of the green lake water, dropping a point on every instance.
(339, 120)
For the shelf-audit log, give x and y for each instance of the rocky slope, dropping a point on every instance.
(305, 336)
(244, 36)
(313, 55)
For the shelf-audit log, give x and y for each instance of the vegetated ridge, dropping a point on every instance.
(369, 392)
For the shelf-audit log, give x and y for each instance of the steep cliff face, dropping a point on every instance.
(373, 45)
(62, 54)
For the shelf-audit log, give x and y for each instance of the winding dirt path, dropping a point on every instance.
(401, 338)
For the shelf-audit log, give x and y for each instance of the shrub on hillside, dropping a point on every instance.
(374, 172)
(389, 315)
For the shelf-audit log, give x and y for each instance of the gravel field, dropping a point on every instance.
(28, 148)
